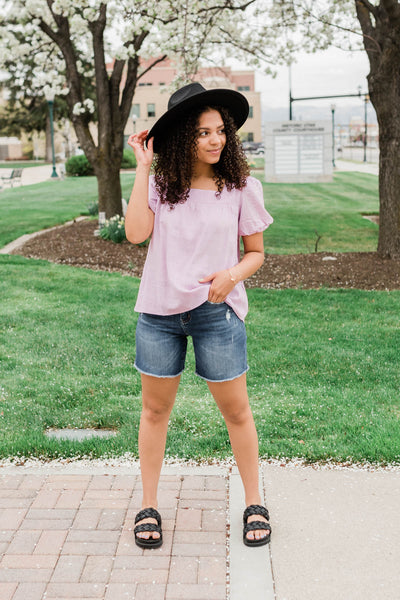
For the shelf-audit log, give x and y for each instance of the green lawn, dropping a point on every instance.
(21, 164)
(26, 209)
(324, 379)
(332, 209)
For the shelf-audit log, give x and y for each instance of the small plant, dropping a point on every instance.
(93, 208)
(114, 229)
(317, 240)
(78, 166)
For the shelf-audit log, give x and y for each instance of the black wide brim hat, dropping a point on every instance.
(194, 95)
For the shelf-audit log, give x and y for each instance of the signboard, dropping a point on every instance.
(298, 151)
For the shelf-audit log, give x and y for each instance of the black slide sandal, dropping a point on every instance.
(148, 513)
(256, 509)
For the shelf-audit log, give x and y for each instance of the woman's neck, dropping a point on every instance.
(203, 177)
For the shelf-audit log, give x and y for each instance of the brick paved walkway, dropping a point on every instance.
(71, 536)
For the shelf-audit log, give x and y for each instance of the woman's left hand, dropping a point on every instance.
(221, 285)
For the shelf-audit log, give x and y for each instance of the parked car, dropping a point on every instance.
(253, 147)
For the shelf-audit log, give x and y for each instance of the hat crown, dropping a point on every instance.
(192, 89)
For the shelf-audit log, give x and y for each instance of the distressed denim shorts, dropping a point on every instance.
(219, 342)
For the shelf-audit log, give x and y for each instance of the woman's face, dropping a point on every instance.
(211, 137)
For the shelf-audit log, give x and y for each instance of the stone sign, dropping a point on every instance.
(298, 151)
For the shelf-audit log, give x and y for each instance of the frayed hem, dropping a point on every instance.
(222, 380)
(157, 376)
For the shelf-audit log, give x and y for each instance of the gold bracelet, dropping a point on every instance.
(231, 276)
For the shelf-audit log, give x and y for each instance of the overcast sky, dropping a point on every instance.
(321, 74)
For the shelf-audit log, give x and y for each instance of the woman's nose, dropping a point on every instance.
(214, 138)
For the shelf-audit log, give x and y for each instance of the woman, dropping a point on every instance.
(195, 207)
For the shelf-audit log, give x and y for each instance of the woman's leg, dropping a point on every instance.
(158, 397)
(232, 400)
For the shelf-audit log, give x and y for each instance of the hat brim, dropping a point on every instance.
(233, 101)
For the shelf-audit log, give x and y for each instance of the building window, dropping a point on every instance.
(135, 111)
(144, 84)
(243, 88)
(250, 136)
(151, 110)
(251, 115)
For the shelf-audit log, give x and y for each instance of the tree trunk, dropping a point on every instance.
(384, 87)
(380, 25)
(389, 181)
(109, 188)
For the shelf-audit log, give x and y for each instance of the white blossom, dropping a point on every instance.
(268, 33)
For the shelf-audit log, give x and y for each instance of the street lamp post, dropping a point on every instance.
(333, 108)
(50, 101)
(366, 98)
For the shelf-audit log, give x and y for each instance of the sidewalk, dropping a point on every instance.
(32, 175)
(66, 532)
(344, 165)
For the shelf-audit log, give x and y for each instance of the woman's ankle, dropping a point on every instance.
(253, 499)
(149, 504)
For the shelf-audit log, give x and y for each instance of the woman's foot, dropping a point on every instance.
(256, 529)
(147, 530)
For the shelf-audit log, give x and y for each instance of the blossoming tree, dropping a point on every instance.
(78, 45)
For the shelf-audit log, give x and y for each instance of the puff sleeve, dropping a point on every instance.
(253, 217)
(153, 195)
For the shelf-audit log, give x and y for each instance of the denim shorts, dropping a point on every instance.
(219, 342)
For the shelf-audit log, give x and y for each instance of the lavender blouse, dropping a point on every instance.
(194, 240)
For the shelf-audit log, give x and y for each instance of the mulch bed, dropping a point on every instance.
(77, 245)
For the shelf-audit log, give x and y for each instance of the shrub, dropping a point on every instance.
(128, 159)
(93, 208)
(114, 229)
(78, 166)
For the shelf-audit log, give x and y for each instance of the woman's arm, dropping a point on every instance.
(224, 281)
(139, 218)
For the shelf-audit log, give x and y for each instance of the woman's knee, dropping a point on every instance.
(158, 397)
(237, 415)
(155, 411)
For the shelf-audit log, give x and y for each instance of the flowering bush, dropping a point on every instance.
(114, 229)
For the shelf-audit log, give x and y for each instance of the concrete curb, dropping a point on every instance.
(250, 568)
(14, 245)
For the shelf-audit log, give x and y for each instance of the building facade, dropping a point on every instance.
(153, 91)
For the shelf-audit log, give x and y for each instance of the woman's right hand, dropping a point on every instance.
(144, 155)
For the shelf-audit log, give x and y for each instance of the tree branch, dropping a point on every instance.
(371, 44)
(153, 64)
(106, 105)
(227, 6)
(372, 8)
(392, 8)
(242, 47)
(63, 41)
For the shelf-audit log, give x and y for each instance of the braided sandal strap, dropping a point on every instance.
(255, 509)
(148, 513)
(256, 525)
(150, 527)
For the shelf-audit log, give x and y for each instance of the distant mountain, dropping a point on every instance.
(308, 112)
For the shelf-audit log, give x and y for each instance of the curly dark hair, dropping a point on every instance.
(174, 163)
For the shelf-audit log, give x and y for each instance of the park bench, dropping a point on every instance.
(13, 177)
